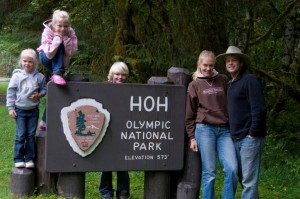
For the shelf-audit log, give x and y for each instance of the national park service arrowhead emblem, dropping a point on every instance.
(84, 123)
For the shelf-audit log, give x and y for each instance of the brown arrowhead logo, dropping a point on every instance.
(84, 123)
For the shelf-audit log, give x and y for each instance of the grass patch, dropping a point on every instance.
(6, 145)
(3, 87)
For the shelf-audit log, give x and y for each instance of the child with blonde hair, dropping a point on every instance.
(58, 44)
(24, 91)
(118, 74)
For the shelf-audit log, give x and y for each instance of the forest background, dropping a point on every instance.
(153, 35)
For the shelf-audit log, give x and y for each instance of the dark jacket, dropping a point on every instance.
(246, 107)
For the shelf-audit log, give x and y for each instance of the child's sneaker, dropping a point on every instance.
(58, 80)
(29, 164)
(20, 165)
(123, 195)
(42, 126)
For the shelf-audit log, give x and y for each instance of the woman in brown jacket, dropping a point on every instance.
(207, 126)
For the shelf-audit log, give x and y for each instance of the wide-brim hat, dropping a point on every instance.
(232, 50)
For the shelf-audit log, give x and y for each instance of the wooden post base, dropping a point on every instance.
(157, 184)
(187, 190)
(45, 181)
(71, 185)
(22, 182)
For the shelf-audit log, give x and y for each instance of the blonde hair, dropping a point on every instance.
(117, 67)
(59, 14)
(204, 53)
(29, 53)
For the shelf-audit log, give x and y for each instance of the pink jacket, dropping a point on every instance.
(50, 43)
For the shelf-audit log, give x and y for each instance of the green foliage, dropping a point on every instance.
(283, 166)
(284, 128)
(9, 52)
(3, 87)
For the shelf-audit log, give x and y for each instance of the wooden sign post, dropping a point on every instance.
(114, 127)
(121, 127)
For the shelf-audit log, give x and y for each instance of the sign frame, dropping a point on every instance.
(145, 131)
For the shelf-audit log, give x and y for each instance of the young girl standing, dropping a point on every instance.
(24, 91)
(58, 44)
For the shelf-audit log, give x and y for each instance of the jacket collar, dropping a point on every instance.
(215, 73)
(238, 77)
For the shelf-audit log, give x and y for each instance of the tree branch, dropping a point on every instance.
(292, 91)
(279, 19)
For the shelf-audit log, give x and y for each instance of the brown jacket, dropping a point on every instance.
(206, 102)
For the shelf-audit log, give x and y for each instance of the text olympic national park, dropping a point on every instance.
(147, 135)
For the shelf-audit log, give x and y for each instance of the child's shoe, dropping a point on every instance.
(123, 195)
(20, 165)
(58, 80)
(29, 164)
(42, 126)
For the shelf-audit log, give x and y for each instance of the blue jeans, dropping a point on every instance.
(249, 152)
(26, 123)
(106, 188)
(210, 140)
(56, 64)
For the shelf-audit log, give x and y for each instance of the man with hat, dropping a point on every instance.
(247, 118)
